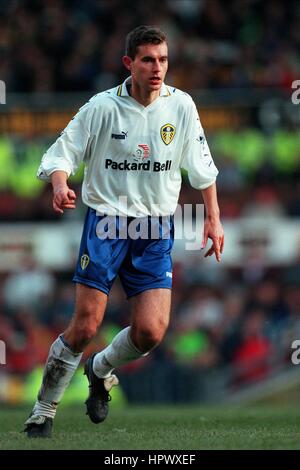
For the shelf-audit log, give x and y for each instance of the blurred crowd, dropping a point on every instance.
(77, 46)
(238, 317)
(220, 317)
(258, 175)
(69, 45)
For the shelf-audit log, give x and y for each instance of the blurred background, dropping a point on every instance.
(233, 324)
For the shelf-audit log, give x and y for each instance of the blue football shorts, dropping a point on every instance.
(138, 250)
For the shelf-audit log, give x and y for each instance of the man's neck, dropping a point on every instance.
(141, 96)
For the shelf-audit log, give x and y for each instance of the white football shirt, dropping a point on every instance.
(133, 154)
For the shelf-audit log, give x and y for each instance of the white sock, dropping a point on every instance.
(120, 351)
(61, 364)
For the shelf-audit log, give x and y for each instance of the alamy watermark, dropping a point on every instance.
(2, 352)
(296, 354)
(296, 93)
(188, 221)
(2, 92)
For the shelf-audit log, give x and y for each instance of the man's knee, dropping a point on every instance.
(86, 332)
(148, 336)
(79, 336)
(81, 330)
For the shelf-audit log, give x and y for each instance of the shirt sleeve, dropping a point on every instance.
(69, 150)
(196, 158)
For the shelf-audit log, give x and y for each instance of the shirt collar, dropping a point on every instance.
(122, 89)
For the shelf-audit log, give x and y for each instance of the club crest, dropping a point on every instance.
(167, 133)
(84, 261)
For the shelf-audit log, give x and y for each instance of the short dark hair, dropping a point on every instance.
(143, 35)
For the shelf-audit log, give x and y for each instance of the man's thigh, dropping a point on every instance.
(90, 301)
(151, 309)
(90, 307)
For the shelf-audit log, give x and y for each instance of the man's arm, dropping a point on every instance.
(212, 226)
(63, 196)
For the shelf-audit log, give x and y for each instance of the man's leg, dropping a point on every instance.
(150, 314)
(150, 318)
(64, 357)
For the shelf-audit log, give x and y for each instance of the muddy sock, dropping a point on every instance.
(61, 364)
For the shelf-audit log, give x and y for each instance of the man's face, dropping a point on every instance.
(149, 67)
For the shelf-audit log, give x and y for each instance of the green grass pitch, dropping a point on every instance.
(165, 427)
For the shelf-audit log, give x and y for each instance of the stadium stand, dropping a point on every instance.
(227, 322)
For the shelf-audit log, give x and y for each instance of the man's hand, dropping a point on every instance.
(213, 229)
(63, 198)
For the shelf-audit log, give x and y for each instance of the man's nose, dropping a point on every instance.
(156, 66)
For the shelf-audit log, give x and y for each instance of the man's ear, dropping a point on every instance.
(127, 61)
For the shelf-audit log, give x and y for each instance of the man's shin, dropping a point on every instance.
(60, 367)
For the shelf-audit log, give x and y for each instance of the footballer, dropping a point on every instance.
(134, 140)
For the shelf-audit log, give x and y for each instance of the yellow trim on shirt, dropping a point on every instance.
(119, 91)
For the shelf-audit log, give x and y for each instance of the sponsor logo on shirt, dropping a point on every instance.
(141, 157)
(120, 136)
(167, 133)
(141, 153)
(136, 166)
